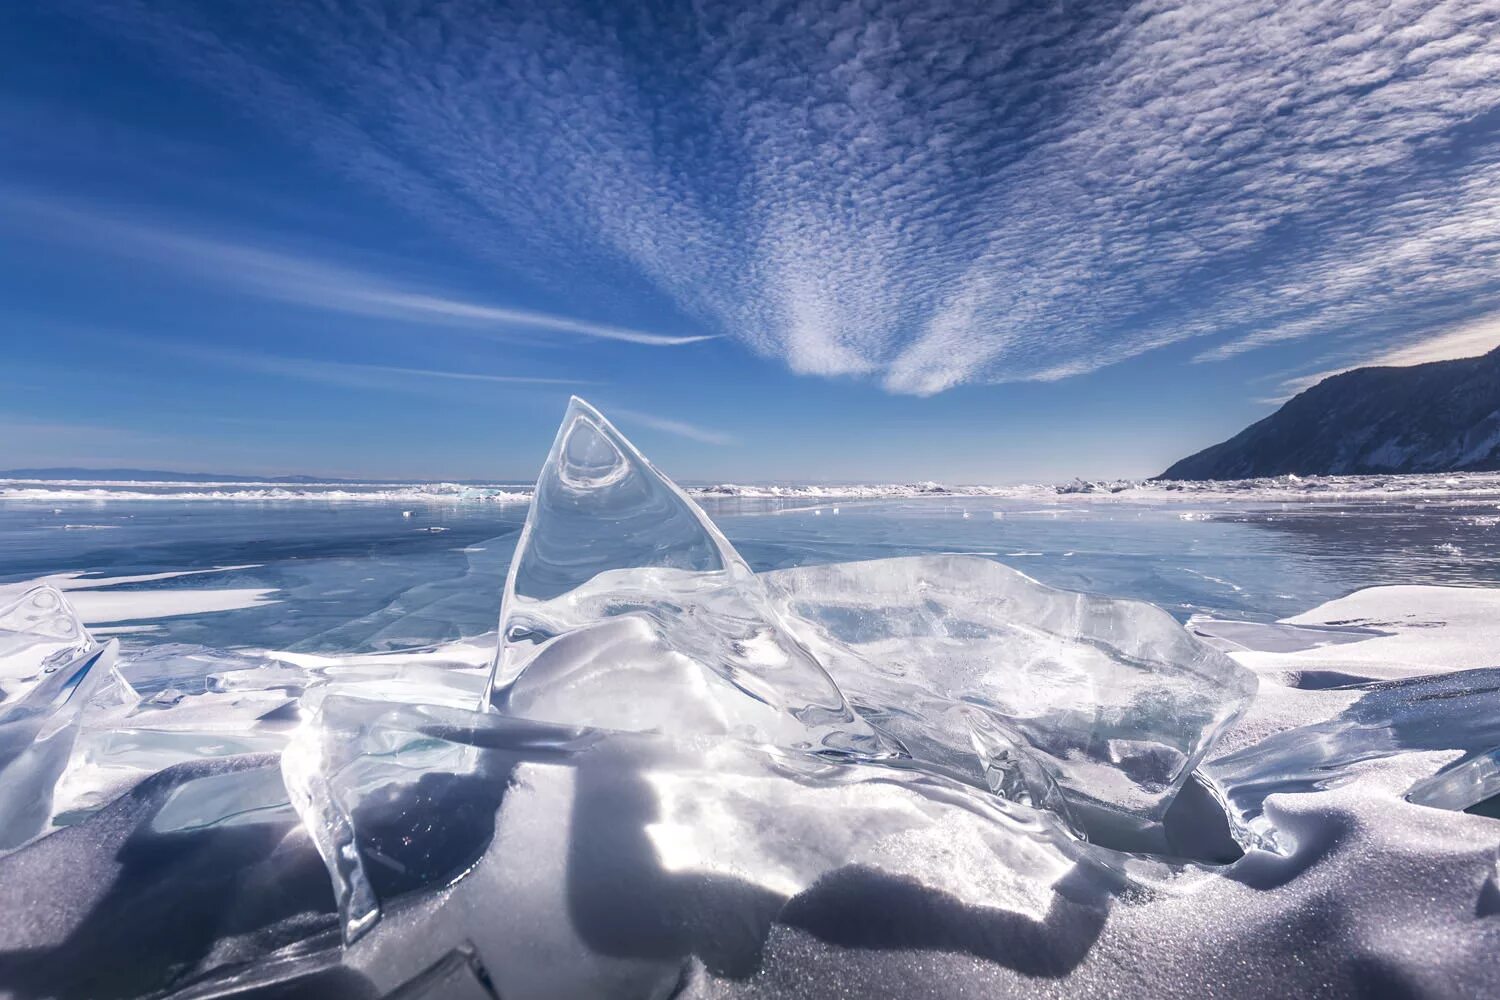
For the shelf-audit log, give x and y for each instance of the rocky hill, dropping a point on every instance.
(1436, 417)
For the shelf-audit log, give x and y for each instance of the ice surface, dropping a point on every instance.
(1110, 702)
(625, 608)
(1382, 674)
(505, 856)
(37, 732)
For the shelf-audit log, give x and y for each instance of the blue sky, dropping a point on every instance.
(972, 242)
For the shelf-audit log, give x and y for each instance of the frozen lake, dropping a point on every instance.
(852, 772)
(341, 575)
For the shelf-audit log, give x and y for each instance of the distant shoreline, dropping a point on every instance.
(1278, 489)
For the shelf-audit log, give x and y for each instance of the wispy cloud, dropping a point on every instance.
(692, 432)
(1469, 340)
(923, 193)
(346, 373)
(298, 279)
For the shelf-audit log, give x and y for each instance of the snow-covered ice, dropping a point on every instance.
(669, 775)
(1289, 489)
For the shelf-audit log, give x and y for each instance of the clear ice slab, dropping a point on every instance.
(972, 664)
(405, 801)
(412, 786)
(50, 668)
(626, 608)
(39, 630)
(1462, 786)
(37, 734)
(1453, 711)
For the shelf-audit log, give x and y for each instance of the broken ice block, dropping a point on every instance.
(50, 668)
(959, 656)
(1465, 784)
(413, 786)
(1451, 711)
(414, 799)
(37, 732)
(625, 608)
(38, 631)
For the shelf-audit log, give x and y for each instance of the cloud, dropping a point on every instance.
(926, 194)
(680, 428)
(298, 279)
(1469, 340)
(345, 373)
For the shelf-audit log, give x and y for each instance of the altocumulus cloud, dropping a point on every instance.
(923, 193)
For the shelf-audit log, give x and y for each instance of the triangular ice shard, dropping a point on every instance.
(626, 609)
(37, 732)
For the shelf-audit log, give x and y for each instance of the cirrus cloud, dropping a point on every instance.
(925, 194)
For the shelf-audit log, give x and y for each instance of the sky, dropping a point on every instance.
(975, 242)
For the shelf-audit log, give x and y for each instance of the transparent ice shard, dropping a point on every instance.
(1467, 783)
(50, 669)
(973, 664)
(39, 630)
(194, 669)
(409, 799)
(230, 797)
(399, 798)
(625, 608)
(37, 732)
(1453, 711)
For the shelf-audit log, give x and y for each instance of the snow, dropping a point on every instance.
(103, 600)
(1386, 633)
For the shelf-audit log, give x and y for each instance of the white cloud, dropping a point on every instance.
(680, 428)
(345, 373)
(303, 280)
(1466, 342)
(1469, 340)
(925, 193)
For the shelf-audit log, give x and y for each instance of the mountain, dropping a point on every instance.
(1439, 417)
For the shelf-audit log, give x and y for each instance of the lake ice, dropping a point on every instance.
(748, 741)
